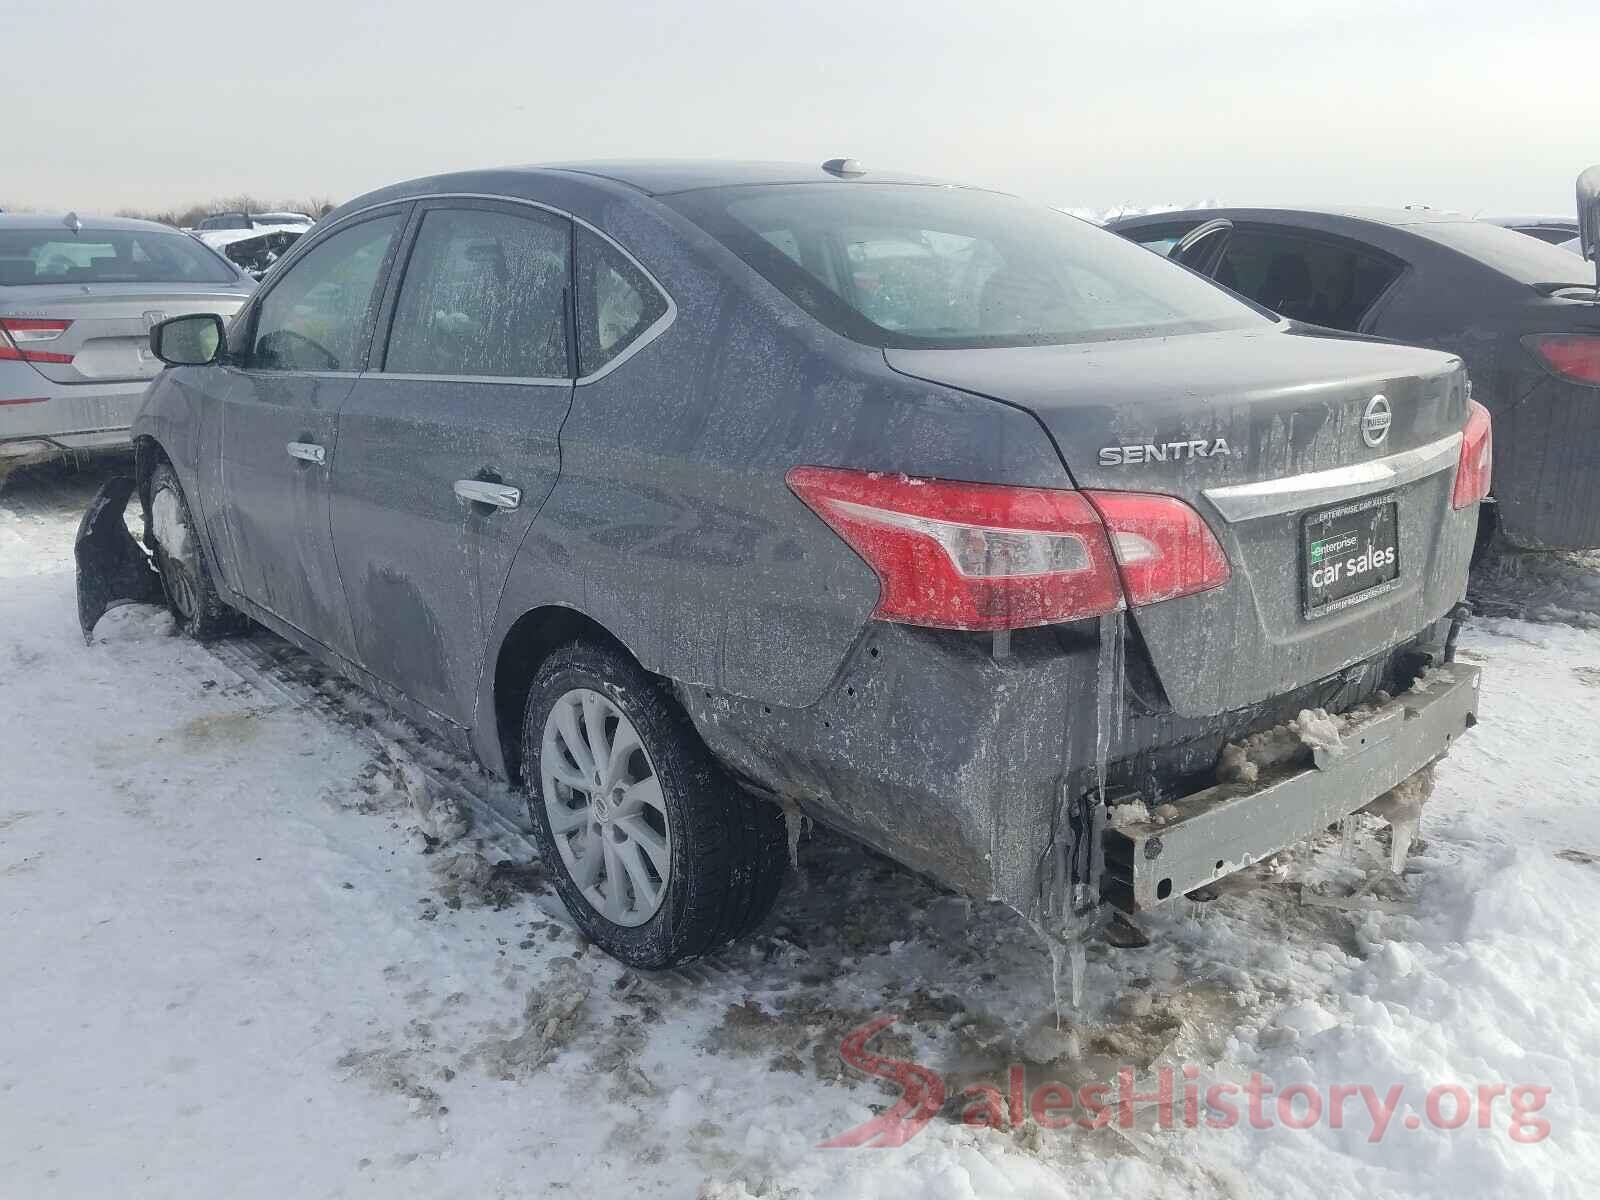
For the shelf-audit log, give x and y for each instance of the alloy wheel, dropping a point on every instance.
(604, 805)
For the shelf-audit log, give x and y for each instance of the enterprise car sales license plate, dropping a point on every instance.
(1349, 554)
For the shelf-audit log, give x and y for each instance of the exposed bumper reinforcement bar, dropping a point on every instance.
(1228, 827)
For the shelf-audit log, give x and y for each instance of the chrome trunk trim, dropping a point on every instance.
(1292, 493)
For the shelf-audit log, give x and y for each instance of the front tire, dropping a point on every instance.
(180, 559)
(657, 853)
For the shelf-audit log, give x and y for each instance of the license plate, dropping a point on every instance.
(1349, 554)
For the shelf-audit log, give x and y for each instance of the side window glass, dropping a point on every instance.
(484, 294)
(784, 241)
(1159, 238)
(318, 316)
(616, 303)
(1305, 279)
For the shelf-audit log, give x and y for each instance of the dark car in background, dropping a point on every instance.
(254, 220)
(1555, 230)
(698, 496)
(1522, 314)
(254, 250)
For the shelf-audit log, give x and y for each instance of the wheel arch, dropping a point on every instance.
(148, 454)
(528, 641)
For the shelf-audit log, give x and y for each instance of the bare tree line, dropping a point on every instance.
(314, 206)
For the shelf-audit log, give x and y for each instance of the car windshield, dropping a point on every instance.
(54, 256)
(918, 266)
(1513, 254)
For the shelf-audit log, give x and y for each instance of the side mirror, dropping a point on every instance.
(1589, 214)
(191, 341)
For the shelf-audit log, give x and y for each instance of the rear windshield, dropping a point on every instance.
(1516, 255)
(916, 266)
(44, 256)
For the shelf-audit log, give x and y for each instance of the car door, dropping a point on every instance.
(295, 358)
(449, 443)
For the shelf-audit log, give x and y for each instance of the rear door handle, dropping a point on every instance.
(478, 491)
(308, 452)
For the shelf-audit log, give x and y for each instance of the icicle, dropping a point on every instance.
(1402, 832)
(1108, 697)
(1055, 979)
(1347, 837)
(1401, 806)
(1079, 960)
(795, 823)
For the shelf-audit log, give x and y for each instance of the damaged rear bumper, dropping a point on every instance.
(1228, 827)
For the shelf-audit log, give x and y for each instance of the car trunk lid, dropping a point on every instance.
(107, 338)
(1260, 432)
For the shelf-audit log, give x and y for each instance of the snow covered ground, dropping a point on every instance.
(231, 963)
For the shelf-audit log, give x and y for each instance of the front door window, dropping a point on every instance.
(318, 317)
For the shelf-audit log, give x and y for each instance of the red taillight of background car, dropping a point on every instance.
(1574, 356)
(983, 556)
(1477, 457)
(20, 338)
(1163, 547)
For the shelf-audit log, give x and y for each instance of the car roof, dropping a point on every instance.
(90, 224)
(1378, 216)
(662, 176)
(614, 178)
(1555, 222)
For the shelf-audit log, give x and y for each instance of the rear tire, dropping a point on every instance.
(185, 578)
(657, 853)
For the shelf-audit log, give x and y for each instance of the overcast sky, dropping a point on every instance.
(1466, 104)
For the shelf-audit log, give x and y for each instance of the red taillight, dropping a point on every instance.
(1163, 547)
(1574, 356)
(983, 556)
(19, 336)
(1477, 457)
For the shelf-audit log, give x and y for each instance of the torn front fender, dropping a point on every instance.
(113, 569)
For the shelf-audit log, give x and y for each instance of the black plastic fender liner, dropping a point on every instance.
(113, 569)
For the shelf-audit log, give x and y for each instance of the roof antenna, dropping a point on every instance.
(844, 167)
(71, 222)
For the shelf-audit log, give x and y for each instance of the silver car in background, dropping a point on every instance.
(77, 300)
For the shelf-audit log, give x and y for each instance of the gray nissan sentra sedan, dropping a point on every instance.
(695, 496)
(77, 300)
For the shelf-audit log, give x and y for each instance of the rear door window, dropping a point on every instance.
(484, 295)
(617, 303)
(1325, 282)
(318, 316)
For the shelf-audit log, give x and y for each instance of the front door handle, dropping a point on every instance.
(478, 491)
(308, 452)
